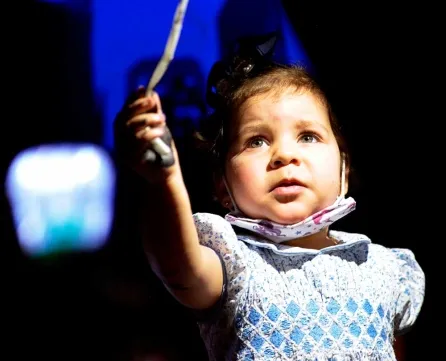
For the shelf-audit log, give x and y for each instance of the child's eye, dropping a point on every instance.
(309, 138)
(256, 142)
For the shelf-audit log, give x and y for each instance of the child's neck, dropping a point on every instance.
(317, 241)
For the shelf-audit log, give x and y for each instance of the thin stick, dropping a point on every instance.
(171, 45)
(168, 55)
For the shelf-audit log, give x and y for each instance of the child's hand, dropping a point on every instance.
(140, 121)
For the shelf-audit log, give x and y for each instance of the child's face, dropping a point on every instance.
(283, 162)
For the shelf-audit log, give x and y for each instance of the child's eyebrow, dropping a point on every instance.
(253, 127)
(258, 126)
(302, 123)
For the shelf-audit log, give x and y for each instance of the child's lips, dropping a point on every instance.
(288, 187)
(287, 190)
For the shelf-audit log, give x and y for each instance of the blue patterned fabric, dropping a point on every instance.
(342, 303)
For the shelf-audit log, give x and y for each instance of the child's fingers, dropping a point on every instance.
(146, 119)
(157, 100)
(151, 103)
(140, 92)
(148, 134)
(142, 105)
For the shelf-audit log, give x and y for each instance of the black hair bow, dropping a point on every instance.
(250, 55)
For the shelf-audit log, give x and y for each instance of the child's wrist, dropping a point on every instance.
(165, 180)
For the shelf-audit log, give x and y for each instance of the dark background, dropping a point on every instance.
(379, 64)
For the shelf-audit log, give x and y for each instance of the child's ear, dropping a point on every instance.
(221, 193)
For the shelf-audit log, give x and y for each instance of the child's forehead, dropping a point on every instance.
(289, 102)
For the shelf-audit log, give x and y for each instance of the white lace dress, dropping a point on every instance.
(345, 302)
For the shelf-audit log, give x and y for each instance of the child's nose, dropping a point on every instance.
(284, 154)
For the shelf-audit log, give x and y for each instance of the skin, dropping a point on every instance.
(273, 139)
(284, 140)
(279, 146)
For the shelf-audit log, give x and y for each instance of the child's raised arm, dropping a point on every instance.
(191, 272)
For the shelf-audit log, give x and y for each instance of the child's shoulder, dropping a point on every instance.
(208, 222)
(377, 249)
(208, 217)
(217, 234)
(213, 228)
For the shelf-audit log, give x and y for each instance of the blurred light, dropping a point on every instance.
(62, 198)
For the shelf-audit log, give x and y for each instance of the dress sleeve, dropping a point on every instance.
(216, 233)
(411, 290)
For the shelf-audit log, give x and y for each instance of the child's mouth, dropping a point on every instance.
(288, 187)
(287, 190)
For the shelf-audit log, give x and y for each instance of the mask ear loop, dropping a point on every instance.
(342, 175)
(234, 205)
(340, 197)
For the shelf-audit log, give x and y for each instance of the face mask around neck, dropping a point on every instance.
(279, 233)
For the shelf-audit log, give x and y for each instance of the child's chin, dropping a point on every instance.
(287, 218)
